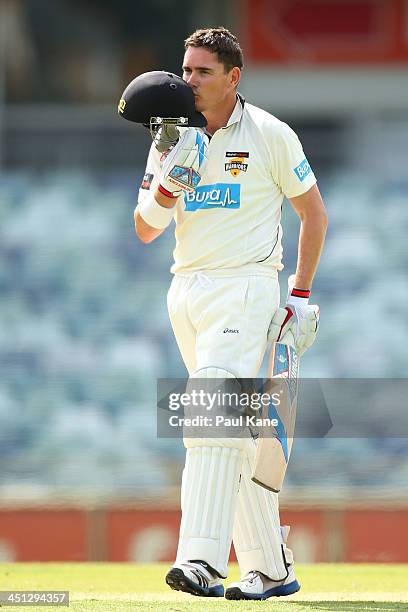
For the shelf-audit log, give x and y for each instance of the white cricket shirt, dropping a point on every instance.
(233, 217)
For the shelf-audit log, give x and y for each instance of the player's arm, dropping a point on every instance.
(298, 322)
(292, 172)
(313, 225)
(180, 171)
(154, 211)
(146, 232)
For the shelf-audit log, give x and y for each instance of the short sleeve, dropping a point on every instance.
(290, 167)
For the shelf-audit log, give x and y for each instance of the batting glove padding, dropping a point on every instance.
(184, 165)
(295, 326)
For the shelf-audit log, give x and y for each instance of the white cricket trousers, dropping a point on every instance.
(223, 321)
(220, 323)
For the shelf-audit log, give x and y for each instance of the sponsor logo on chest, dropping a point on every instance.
(218, 195)
(236, 162)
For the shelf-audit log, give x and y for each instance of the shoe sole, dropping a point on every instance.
(179, 582)
(236, 594)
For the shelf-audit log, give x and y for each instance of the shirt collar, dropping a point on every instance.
(238, 110)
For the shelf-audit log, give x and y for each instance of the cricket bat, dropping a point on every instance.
(275, 441)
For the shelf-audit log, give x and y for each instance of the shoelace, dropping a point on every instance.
(251, 576)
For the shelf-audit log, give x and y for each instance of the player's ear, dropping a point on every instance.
(235, 76)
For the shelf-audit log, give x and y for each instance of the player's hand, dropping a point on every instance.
(295, 326)
(184, 164)
(297, 323)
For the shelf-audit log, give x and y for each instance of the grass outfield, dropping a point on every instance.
(122, 586)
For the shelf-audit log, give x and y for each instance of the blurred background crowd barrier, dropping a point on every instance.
(84, 332)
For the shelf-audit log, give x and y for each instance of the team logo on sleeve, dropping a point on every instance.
(236, 162)
(147, 181)
(302, 170)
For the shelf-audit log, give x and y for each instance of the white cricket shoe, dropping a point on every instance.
(196, 578)
(258, 586)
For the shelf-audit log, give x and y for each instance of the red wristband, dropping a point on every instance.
(301, 293)
(166, 193)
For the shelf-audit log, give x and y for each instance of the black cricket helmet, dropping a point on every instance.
(160, 97)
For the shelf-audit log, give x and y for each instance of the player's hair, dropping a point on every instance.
(220, 41)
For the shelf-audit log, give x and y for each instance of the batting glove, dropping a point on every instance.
(297, 323)
(184, 164)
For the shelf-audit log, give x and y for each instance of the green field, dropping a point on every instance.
(108, 586)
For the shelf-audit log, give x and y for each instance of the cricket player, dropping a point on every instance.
(223, 184)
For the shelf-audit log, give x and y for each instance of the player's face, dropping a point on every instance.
(211, 85)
